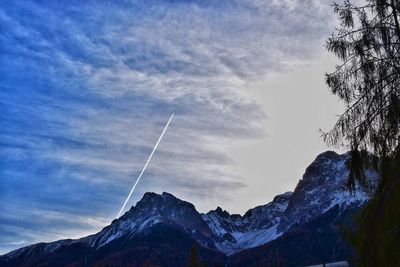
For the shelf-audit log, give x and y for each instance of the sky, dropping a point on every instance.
(87, 87)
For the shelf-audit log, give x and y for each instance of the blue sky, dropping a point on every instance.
(87, 87)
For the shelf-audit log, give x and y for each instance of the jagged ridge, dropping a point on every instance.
(318, 192)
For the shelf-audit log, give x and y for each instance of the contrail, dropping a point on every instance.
(145, 165)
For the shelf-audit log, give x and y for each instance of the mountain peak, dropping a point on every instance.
(327, 154)
(163, 215)
(282, 197)
(322, 188)
(157, 200)
(150, 195)
(166, 194)
(153, 195)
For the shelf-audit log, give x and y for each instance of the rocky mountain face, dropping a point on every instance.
(310, 244)
(256, 227)
(155, 209)
(322, 188)
(160, 230)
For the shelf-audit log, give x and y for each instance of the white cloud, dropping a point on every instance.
(113, 73)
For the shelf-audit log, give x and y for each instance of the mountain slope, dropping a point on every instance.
(154, 209)
(294, 229)
(159, 230)
(256, 227)
(323, 187)
(315, 242)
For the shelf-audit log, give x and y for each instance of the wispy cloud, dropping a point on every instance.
(87, 87)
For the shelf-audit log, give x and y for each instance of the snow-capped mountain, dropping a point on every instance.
(152, 210)
(155, 209)
(163, 227)
(321, 188)
(257, 226)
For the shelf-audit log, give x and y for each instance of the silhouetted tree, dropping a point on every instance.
(194, 260)
(368, 79)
